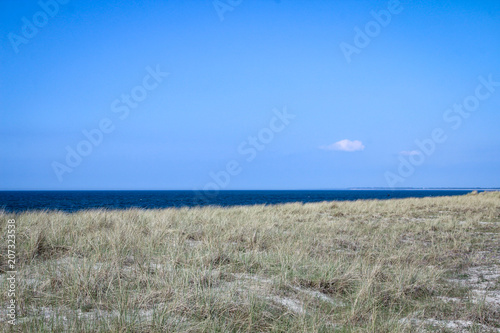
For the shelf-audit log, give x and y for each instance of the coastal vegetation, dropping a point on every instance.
(398, 265)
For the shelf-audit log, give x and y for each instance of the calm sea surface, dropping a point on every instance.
(16, 201)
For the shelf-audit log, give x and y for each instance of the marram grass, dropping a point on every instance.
(397, 265)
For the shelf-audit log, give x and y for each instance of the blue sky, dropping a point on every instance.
(234, 68)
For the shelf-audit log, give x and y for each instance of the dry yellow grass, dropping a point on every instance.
(364, 266)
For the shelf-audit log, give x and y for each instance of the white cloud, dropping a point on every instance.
(410, 152)
(345, 145)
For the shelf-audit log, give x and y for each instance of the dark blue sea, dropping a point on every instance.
(69, 201)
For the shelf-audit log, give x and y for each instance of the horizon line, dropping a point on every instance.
(301, 189)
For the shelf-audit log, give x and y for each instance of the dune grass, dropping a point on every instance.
(396, 265)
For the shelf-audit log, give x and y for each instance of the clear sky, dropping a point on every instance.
(247, 94)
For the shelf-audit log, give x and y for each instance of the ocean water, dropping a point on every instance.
(17, 201)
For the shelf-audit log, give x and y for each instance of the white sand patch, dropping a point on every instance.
(320, 295)
(160, 267)
(261, 285)
(449, 299)
(461, 326)
(489, 223)
(291, 304)
(98, 266)
(420, 219)
(311, 293)
(262, 288)
(491, 297)
(64, 315)
(484, 283)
